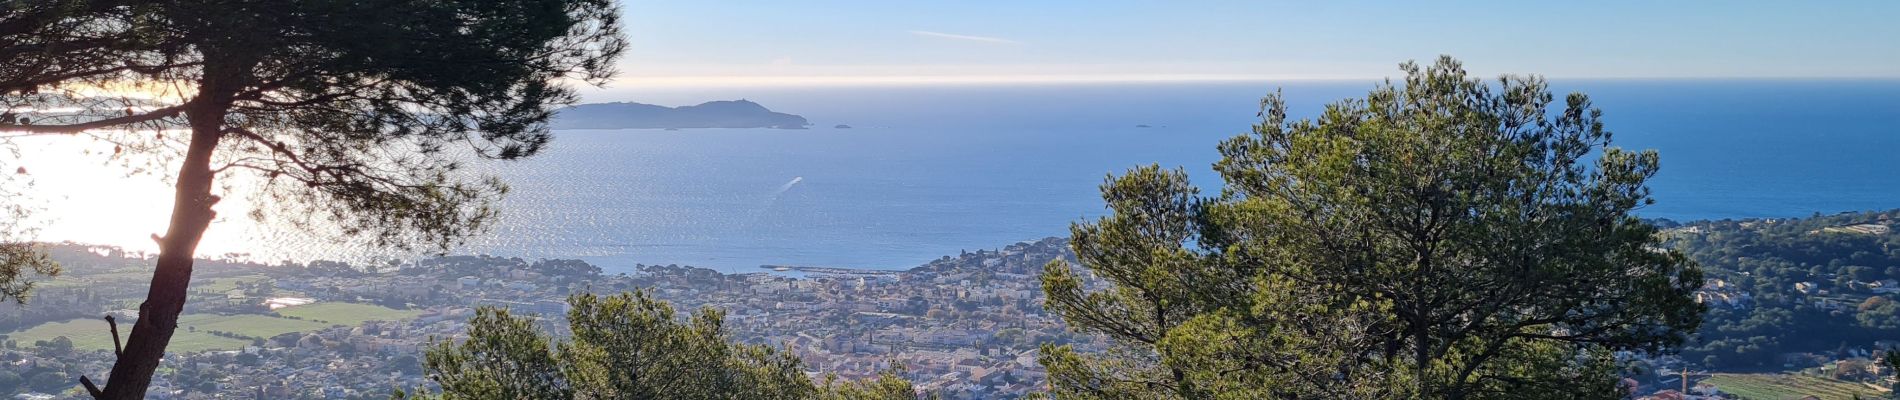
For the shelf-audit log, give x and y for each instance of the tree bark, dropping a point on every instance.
(191, 215)
(1421, 328)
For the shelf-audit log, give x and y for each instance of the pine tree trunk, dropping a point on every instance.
(191, 215)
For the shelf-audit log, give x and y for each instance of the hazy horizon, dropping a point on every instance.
(862, 42)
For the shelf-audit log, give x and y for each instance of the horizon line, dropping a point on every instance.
(1048, 79)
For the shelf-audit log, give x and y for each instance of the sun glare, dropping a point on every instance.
(156, 92)
(82, 195)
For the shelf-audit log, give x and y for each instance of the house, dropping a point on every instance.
(1884, 286)
(1665, 395)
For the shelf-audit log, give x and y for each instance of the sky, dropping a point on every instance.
(750, 43)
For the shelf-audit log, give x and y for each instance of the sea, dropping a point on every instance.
(927, 171)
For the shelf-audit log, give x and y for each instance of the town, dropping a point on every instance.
(964, 326)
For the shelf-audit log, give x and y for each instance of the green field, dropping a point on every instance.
(116, 276)
(347, 313)
(1788, 386)
(221, 285)
(91, 334)
(263, 326)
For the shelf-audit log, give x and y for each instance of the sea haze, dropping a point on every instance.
(929, 171)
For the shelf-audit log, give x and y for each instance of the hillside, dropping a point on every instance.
(1793, 292)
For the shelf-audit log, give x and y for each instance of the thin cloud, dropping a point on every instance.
(984, 39)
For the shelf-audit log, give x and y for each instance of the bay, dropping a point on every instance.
(927, 171)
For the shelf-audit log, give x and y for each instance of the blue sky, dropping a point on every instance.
(815, 42)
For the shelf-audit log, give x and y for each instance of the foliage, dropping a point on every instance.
(58, 346)
(351, 119)
(1814, 284)
(361, 122)
(18, 261)
(628, 346)
(886, 386)
(1879, 312)
(1437, 239)
(505, 357)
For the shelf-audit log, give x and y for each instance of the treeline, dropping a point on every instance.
(628, 346)
(255, 341)
(1782, 287)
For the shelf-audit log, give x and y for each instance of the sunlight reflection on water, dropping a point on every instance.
(928, 172)
(281, 302)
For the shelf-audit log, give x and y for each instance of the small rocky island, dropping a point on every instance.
(712, 114)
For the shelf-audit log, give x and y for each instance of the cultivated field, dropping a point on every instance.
(263, 326)
(221, 285)
(194, 330)
(91, 334)
(1788, 386)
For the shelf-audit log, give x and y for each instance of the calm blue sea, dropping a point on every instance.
(930, 171)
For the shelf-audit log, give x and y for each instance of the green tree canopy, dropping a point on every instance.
(628, 346)
(1879, 312)
(19, 261)
(1439, 238)
(354, 116)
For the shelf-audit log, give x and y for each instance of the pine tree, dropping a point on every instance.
(1440, 238)
(356, 116)
(629, 346)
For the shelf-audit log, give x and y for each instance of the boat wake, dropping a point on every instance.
(788, 186)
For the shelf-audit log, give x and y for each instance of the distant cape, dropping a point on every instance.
(712, 114)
